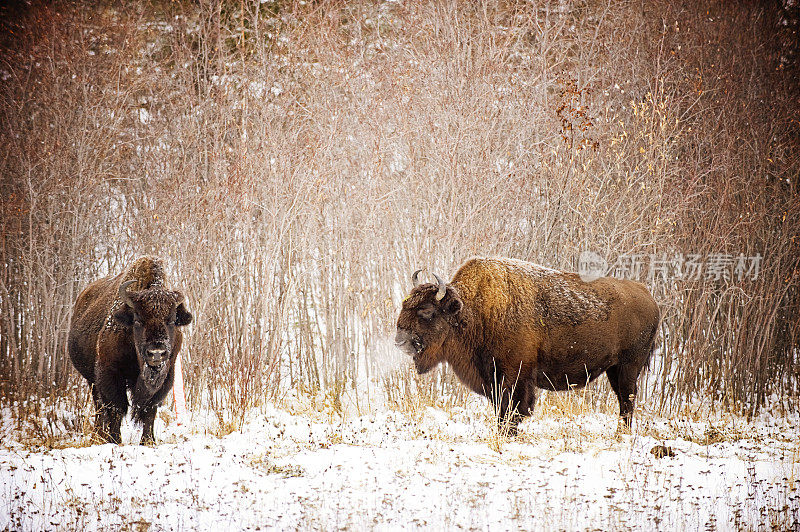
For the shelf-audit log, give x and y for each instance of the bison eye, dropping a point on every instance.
(426, 313)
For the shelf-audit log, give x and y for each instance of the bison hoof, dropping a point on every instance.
(97, 439)
(508, 430)
(100, 439)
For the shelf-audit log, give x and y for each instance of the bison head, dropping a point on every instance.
(152, 315)
(429, 314)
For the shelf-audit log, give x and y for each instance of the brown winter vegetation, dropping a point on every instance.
(293, 163)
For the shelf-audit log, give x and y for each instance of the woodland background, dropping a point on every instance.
(294, 162)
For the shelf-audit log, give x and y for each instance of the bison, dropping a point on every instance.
(125, 334)
(507, 327)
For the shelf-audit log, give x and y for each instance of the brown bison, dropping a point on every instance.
(125, 335)
(506, 327)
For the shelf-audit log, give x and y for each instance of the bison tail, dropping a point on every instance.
(651, 343)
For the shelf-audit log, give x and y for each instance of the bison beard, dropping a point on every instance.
(122, 339)
(153, 376)
(507, 327)
(150, 380)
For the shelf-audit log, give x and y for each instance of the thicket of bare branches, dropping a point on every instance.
(295, 163)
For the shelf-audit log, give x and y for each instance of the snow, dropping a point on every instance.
(291, 466)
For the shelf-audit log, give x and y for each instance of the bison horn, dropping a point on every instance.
(415, 278)
(123, 293)
(442, 288)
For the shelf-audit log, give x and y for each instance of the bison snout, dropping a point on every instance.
(406, 342)
(156, 356)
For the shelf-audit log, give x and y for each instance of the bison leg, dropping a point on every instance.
(105, 419)
(148, 417)
(516, 403)
(507, 413)
(113, 405)
(98, 405)
(110, 421)
(527, 398)
(623, 382)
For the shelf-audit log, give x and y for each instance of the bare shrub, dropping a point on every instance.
(294, 163)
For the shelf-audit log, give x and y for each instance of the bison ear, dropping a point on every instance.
(454, 306)
(182, 316)
(124, 316)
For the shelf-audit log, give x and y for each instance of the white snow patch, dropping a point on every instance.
(389, 469)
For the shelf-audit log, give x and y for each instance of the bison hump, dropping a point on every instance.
(147, 272)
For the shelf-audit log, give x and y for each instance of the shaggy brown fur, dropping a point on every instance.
(507, 326)
(119, 345)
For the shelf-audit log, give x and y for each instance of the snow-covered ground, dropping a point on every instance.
(428, 468)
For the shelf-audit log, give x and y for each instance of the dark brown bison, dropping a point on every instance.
(125, 335)
(506, 327)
